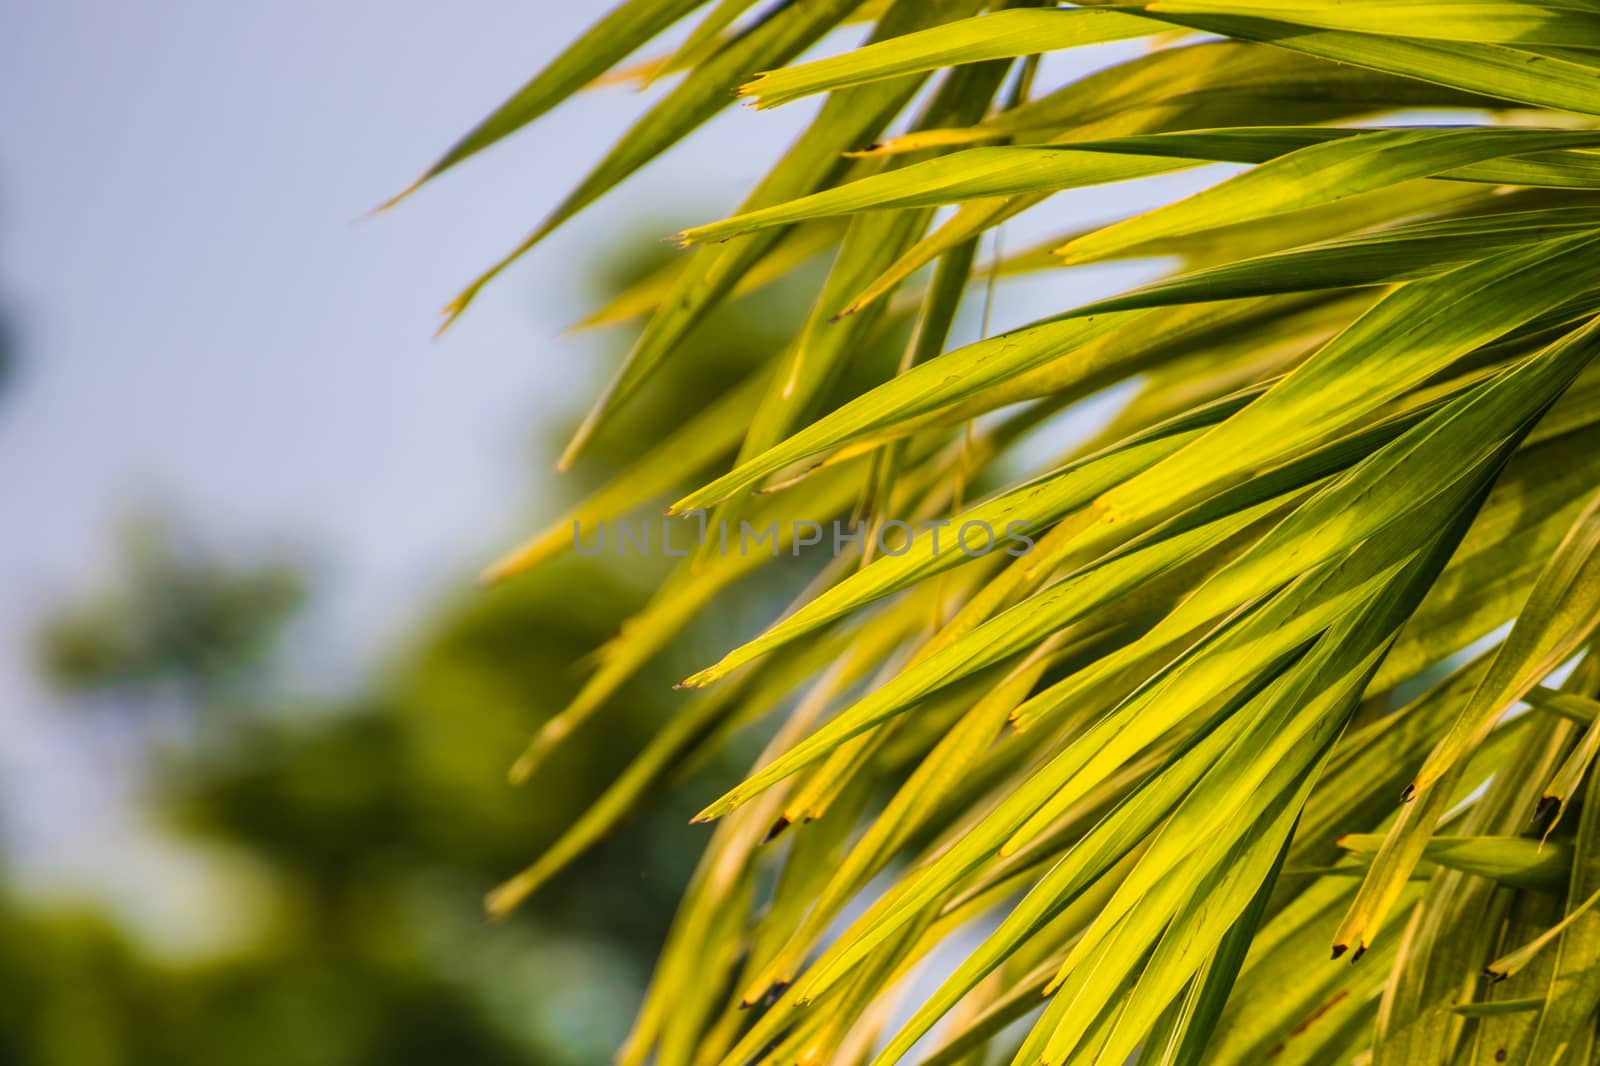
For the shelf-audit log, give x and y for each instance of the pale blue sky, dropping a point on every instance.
(205, 314)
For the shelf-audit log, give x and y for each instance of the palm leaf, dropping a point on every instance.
(1342, 522)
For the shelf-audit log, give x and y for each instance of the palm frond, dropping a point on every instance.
(1133, 780)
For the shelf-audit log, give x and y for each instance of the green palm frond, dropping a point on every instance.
(1297, 651)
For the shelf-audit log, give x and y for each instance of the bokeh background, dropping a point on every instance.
(254, 715)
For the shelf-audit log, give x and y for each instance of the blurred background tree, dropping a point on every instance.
(367, 829)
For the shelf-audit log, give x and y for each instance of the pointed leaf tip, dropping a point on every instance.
(699, 679)
(522, 769)
(505, 898)
(397, 197)
(551, 734)
(453, 310)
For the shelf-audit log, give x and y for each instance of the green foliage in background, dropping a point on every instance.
(1290, 670)
(338, 847)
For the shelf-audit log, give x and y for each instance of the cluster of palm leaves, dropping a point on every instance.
(1303, 661)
